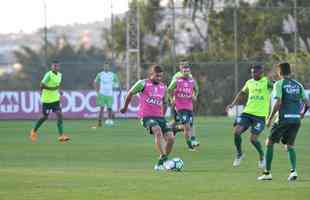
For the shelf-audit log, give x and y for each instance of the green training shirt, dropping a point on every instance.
(291, 92)
(179, 74)
(51, 79)
(137, 87)
(258, 96)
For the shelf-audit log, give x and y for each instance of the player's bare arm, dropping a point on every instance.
(274, 110)
(239, 97)
(127, 101)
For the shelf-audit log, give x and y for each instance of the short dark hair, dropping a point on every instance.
(156, 69)
(55, 62)
(257, 67)
(285, 68)
(183, 60)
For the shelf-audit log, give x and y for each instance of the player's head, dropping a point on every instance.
(283, 69)
(185, 67)
(106, 66)
(156, 73)
(257, 71)
(55, 65)
(183, 63)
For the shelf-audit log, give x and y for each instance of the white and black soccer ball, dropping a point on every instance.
(176, 164)
(109, 122)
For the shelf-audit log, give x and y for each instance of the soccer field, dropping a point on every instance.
(117, 163)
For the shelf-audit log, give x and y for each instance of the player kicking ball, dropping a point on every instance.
(182, 91)
(50, 98)
(152, 106)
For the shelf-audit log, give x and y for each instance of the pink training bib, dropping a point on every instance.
(151, 100)
(184, 93)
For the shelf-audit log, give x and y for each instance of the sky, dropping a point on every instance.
(28, 15)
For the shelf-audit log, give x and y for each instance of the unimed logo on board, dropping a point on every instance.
(75, 104)
(9, 102)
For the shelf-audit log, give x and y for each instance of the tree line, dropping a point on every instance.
(267, 33)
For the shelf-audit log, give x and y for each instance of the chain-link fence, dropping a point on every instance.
(220, 40)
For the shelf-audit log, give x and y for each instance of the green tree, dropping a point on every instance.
(78, 64)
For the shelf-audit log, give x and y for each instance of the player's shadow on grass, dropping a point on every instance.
(303, 180)
(195, 171)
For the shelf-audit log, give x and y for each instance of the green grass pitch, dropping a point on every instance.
(117, 163)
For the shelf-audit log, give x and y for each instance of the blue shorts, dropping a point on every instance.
(256, 123)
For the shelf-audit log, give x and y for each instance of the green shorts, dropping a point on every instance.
(184, 117)
(285, 132)
(149, 122)
(104, 101)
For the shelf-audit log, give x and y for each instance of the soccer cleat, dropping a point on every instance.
(262, 164)
(292, 176)
(33, 135)
(195, 143)
(192, 149)
(265, 177)
(160, 164)
(190, 145)
(159, 167)
(63, 138)
(95, 127)
(238, 160)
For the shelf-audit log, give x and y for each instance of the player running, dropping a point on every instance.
(257, 90)
(152, 106)
(104, 84)
(289, 95)
(50, 98)
(182, 91)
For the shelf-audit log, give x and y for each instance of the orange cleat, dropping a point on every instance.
(63, 138)
(33, 135)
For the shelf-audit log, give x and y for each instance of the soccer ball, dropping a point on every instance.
(109, 122)
(176, 164)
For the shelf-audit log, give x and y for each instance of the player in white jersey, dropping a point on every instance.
(104, 83)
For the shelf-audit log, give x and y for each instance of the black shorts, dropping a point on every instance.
(285, 132)
(48, 107)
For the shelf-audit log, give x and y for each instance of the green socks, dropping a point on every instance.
(43, 119)
(292, 157)
(193, 138)
(60, 126)
(238, 141)
(258, 148)
(269, 155)
(162, 159)
(39, 123)
(189, 144)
